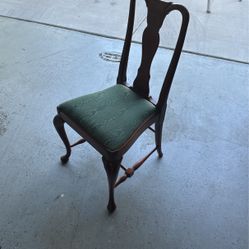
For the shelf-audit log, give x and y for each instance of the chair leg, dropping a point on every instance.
(158, 136)
(59, 126)
(111, 168)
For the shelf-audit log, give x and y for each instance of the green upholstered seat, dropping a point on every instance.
(110, 116)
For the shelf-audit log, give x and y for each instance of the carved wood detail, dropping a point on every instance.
(157, 11)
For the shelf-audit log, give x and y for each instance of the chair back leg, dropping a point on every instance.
(112, 169)
(59, 126)
(158, 137)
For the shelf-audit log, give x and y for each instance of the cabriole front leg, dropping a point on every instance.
(111, 168)
(59, 126)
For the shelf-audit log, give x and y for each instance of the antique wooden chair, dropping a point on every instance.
(111, 120)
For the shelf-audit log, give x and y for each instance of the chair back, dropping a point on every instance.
(157, 12)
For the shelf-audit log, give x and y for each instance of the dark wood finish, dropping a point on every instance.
(81, 141)
(157, 12)
(111, 168)
(130, 171)
(59, 126)
(151, 129)
(127, 44)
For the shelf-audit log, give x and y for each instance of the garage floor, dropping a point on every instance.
(223, 33)
(195, 197)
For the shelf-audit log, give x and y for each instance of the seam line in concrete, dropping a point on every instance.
(118, 38)
(138, 26)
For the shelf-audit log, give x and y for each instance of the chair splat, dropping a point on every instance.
(157, 11)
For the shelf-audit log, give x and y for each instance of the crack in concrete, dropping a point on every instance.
(139, 25)
(76, 225)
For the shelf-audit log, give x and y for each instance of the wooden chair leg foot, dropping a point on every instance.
(158, 136)
(64, 159)
(59, 126)
(111, 207)
(111, 168)
(160, 154)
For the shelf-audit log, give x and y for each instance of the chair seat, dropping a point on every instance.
(111, 116)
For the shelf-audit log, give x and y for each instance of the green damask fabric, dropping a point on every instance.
(110, 116)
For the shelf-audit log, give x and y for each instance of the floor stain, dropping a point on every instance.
(3, 122)
(113, 3)
(173, 126)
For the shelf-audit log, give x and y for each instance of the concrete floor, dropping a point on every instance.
(223, 33)
(195, 197)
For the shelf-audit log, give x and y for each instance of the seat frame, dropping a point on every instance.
(157, 11)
